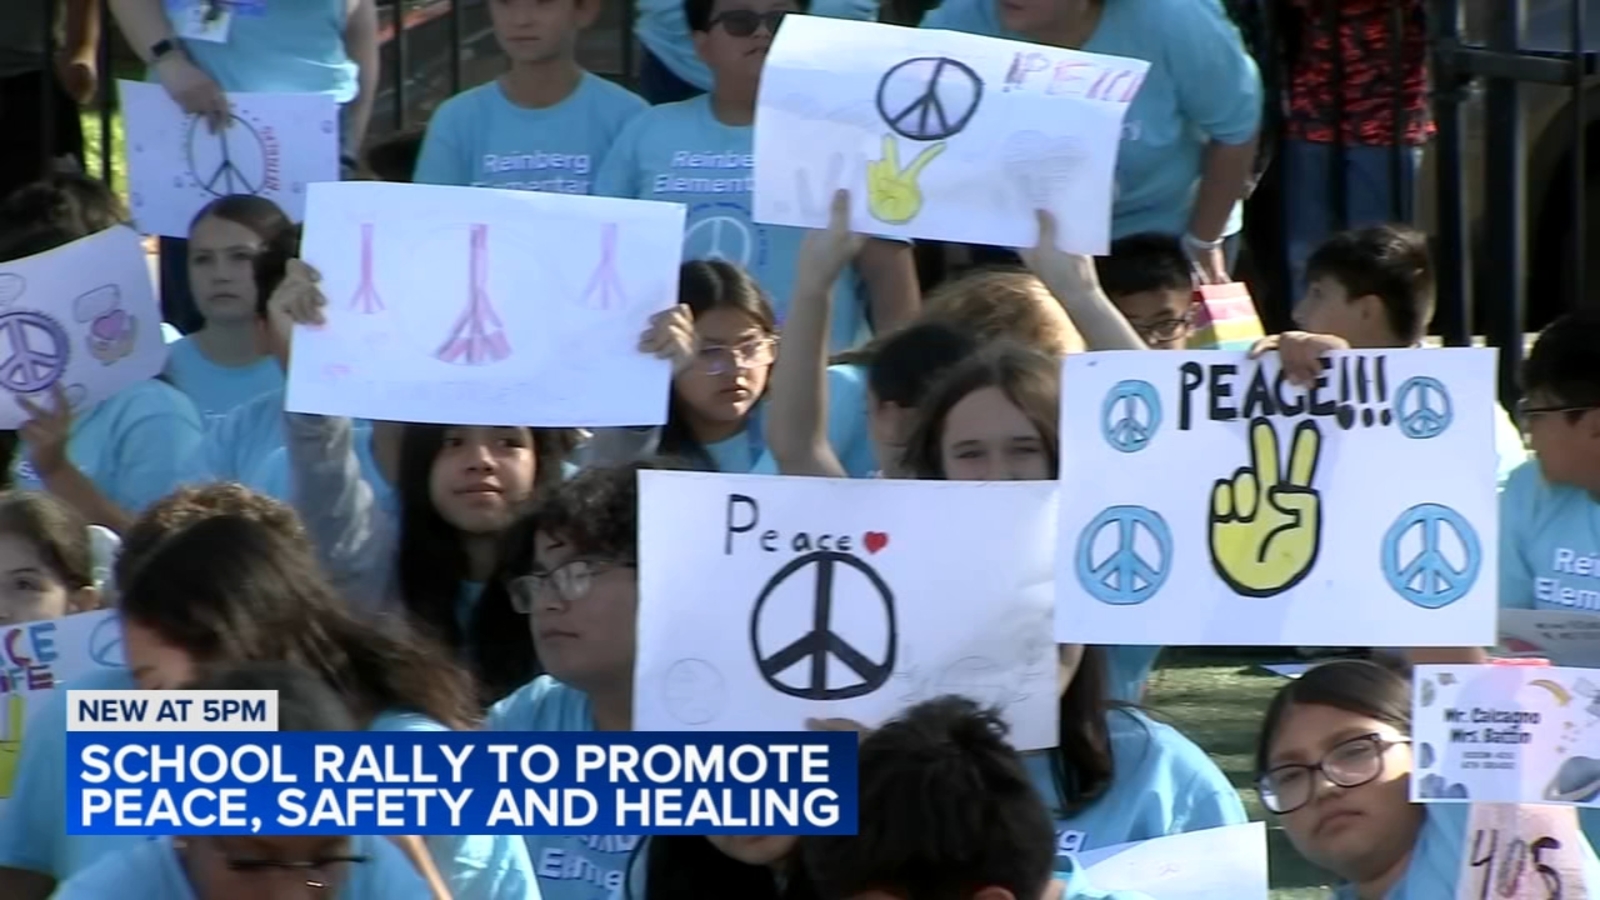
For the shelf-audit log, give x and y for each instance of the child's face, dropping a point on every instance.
(31, 589)
(890, 424)
(735, 46)
(1566, 444)
(987, 438)
(482, 476)
(1163, 318)
(156, 664)
(730, 370)
(278, 867)
(583, 613)
(1328, 308)
(222, 271)
(533, 31)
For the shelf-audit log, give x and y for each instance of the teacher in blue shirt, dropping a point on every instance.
(1189, 139)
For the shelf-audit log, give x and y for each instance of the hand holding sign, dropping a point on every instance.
(893, 195)
(1266, 530)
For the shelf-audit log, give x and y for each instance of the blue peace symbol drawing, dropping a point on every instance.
(33, 351)
(1429, 579)
(1124, 577)
(1130, 415)
(1422, 408)
(105, 644)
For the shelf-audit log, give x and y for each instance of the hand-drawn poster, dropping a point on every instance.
(36, 658)
(1506, 734)
(1564, 638)
(83, 316)
(1207, 501)
(764, 601)
(473, 306)
(274, 146)
(1523, 852)
(1230, 861)
(938, 134)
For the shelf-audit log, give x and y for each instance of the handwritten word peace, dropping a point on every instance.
(744, 513)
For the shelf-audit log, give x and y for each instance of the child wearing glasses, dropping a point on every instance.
(544, 124)
(249, 866)
(699, 152)
(1334, 763)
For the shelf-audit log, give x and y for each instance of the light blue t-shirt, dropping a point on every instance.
(151, 870)
(276, 47)
(662, 28)
(1127, 669)
(476, 867)
(479, 138)
(1162, 784)
(1549, 544)
(218, 390)
(1202, 85)
(849, 430)
(586, 867)
(137, 446)
(681, 153)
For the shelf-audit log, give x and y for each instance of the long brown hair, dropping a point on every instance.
(1029, 379)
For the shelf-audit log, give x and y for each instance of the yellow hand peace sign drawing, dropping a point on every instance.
(11, 743)
(1266, 530)
(893, 195)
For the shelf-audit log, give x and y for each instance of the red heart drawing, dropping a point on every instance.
(875, 541)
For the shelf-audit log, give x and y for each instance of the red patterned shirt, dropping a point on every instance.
(1363, 75)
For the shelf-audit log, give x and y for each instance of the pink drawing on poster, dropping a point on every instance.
(477, 338)
(605, 286)
(366, 300)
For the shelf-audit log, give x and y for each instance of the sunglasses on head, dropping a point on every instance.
(746, 22)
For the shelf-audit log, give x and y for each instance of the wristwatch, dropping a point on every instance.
(1194, 243)
(162, 49)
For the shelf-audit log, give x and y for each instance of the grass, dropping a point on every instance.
(1218, 702)
(92, 139)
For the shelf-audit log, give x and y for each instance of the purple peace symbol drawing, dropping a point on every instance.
(33, 351)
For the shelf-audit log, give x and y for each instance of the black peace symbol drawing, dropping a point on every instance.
(929, 98)
(821, 642)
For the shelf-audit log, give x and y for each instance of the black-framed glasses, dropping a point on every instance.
(254, 866)
(718, 359)
(1526, 412)
(743, 23)
(1165, 330)
(1351, 764)
(571, 580)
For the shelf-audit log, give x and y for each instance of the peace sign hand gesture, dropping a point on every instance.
(893, 195)
(1266, 530)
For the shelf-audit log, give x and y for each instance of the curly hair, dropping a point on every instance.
(188, 505)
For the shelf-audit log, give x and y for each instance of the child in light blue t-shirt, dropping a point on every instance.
(545, 124)
(699, 152)
(227, 362)
(1549, 517)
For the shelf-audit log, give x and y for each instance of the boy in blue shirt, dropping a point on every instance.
(699, 152)
(542, 126)
(946, 810)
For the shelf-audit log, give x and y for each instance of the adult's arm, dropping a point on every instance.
(144, 24)
(361, 45)
(890, 272)
(1219, 92)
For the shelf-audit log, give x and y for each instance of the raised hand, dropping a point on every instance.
(671, 336)
(47, 430)
(893, 195)
(826, 251)
(1266, 528)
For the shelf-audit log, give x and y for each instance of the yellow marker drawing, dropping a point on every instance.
(1266, 529)
(11, 743)
(893, 195)
(1556, 690)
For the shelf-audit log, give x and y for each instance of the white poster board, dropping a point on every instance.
(1206, 501)
(274, 146)
(1506, 734)
(471, 306)
(1564, 638)
(38, 657)
(1523, 852)
(83, 316)
(764, 601)
(1230, 861)
(939, 134)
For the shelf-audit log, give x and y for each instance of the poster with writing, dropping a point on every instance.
(471, 306)
(1506, 734)
(36, 658)
(1196, 865)
(273, 146)
(939, 134)
(82, 317)
(765, 601)
(1207, 501)
(1565, 638)
(1523, 852)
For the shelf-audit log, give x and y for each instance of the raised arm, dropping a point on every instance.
(145, 25)
(361, 45)
(1071, 277)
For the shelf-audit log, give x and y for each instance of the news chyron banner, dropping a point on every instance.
(214, 763)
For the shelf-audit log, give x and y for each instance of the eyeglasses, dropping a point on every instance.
(571, 580)
(743, 23)
(1351, 764)
(1165, 330)
(718, 359)
(1527, 412)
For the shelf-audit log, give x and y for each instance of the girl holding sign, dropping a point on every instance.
(1334, 763)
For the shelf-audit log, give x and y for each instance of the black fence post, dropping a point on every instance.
(1453, 238)
(1506, 204)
